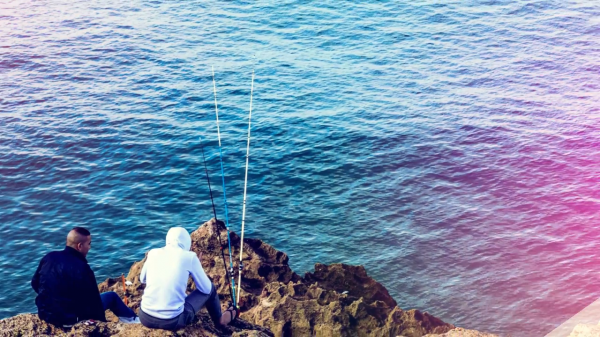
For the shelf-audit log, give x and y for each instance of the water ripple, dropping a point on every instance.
(450, 148)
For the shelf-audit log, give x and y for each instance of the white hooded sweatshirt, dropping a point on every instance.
(166, 273)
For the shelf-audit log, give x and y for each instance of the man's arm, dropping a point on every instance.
(202, 281)
(144, 268)
(143, 273)
(92, 303)
(35, 281)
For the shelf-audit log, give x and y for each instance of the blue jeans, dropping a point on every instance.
(112, 301)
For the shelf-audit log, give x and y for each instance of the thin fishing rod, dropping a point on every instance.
(245, 186)
(224, 194)
(216, 220)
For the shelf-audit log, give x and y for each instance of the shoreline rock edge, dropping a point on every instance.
(334, 300)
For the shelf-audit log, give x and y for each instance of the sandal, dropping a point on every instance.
(231, 312)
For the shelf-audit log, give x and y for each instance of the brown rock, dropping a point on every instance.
(31, 325)
(298, 309)
(353, 279)
(585, 330)
(262, 263)
(460, 332)
(27, 325)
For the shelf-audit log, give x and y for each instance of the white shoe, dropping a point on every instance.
(129, 320)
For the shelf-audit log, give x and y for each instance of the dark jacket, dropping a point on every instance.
(67, 289)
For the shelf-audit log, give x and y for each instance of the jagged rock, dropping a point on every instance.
(262, 263)
(460, 332)
(353, 279)
(586, 330)
(27, 325)
(31, 325)
(335, 300)
(300, 309)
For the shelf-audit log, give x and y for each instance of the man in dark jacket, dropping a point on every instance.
(67, 289)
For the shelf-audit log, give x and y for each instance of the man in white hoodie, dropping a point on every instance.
(165, 304)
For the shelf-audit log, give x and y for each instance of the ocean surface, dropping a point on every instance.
(452, 148)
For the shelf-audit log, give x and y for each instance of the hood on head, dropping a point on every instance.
(179, 237)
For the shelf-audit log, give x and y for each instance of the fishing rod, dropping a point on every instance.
(224, 194)
(215, 214)
(241, 266)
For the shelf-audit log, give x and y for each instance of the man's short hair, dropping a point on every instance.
(81, 231)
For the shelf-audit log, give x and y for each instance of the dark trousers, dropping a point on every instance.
(193, 303)
(112, 301)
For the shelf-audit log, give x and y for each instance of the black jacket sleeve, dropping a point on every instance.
(92, 304)
(35, 281)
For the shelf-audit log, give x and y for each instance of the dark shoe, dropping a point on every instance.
(233, 312)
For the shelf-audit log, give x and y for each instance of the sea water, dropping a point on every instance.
(452, 148)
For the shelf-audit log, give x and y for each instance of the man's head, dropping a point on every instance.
(80, 239)
(179, 237)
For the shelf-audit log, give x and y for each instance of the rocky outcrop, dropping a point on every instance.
(460, 332)
(31, 325)
(586, 330)
(338, 300)
(334, 300)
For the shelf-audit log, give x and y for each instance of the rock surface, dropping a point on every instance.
(335, 300)
(31, 325)
(586, 330)
(460, 332)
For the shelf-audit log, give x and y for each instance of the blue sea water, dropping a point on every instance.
(451, 148)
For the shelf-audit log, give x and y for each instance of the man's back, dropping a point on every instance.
(166, 272)
(67, 289)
